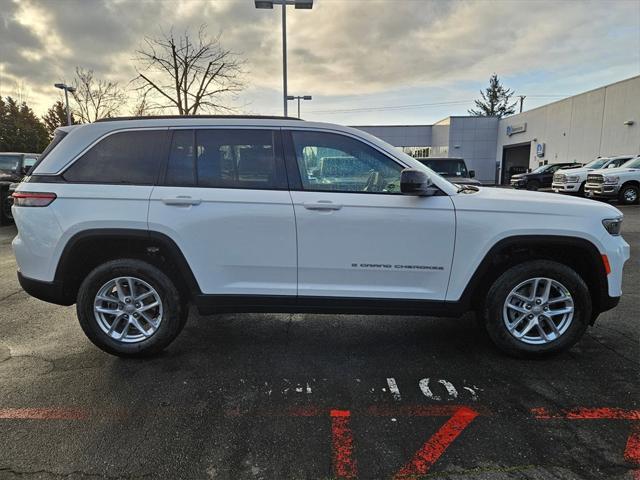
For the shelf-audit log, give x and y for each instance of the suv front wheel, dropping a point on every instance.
(130, 308)
(537, 308)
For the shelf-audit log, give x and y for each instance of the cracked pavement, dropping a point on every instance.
(246, 396)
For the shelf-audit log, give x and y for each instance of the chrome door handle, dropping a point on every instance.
(322, 205)
(181, 200)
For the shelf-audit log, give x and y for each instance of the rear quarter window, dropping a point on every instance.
(131, 158)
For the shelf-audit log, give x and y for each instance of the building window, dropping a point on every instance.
(417, 152)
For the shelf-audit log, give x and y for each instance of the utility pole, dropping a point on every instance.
(303, 97)
(299, 4)
(67, 89)
(522, 97)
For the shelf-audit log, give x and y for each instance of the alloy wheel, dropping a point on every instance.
(128, 309)
(538, 311)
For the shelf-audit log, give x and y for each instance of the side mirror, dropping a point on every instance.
(416, 182)
(472, 174)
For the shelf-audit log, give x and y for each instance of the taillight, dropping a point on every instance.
(32, 199)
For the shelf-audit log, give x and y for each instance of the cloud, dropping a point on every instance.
(338, 49)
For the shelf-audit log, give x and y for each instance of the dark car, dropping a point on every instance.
(541, 177)
(13, 166)
(452, 168)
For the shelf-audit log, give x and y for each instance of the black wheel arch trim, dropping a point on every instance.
(166, 243)
(599, 286)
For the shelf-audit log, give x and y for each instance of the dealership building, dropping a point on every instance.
(597, 123)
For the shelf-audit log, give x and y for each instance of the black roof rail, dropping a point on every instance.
(168, 117)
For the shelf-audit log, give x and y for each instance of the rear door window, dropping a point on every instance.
(226, 158)
(132, 157)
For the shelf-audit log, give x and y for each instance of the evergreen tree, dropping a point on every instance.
(495, 101)
(20, 129)
(56, 117)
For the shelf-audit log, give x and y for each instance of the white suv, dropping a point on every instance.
(573, 180)
(135, 219)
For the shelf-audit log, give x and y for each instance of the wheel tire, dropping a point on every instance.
(500, 290)
(174, 314)
(533, 185)
(581, 189)
(629, 195)
(6, 217)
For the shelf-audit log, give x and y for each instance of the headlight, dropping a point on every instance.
(611, 180)
(573, 179)
(613, 225)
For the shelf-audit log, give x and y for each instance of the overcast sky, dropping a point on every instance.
(424, 59)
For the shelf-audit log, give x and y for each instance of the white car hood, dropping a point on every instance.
(574, 171)
(609, 171)
(525, 202)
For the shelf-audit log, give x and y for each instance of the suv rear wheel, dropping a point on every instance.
(130, 308)
(537, 308)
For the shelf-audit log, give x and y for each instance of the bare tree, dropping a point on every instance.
(188, 74)
(142, 106)
(96, 98)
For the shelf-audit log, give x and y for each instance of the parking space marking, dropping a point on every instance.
(632, 448)
(393, 388)
(344, 463)
(581, 413)
(433, 448)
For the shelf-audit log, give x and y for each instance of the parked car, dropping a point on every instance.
(133, 220)
(452, 168)
(622, 183)
(573, 180)
(541, 177)
(13, 166)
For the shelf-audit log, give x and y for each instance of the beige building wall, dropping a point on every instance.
(580, 128)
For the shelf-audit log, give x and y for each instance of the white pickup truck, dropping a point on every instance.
(573, 180)
(622, 183)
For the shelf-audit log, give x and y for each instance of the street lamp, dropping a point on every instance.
(300, 4)
(67, 89)
(304, 97)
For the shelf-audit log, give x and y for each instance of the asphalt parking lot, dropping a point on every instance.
(316, 397)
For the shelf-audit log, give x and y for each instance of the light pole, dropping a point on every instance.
(304, 97)
(300, 4)
(67, 89)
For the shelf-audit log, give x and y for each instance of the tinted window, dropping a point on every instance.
(9, 162)
(226, 158)
(331, 162)
(123, 158)
(447, 168)
(181, 166)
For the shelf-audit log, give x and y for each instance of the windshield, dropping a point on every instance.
(542, 168)
(633, 163)
(9, 162)
(447, 168)
(597, 163)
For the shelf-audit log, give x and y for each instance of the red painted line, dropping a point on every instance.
(59, 413)
(433, 448)
(344, 464)
(587, 414)
(632, 451)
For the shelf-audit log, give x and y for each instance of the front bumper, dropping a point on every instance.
(518, 183)
(565, 187)
(601, 190)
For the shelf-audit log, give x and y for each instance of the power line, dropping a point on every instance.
(392, 107)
